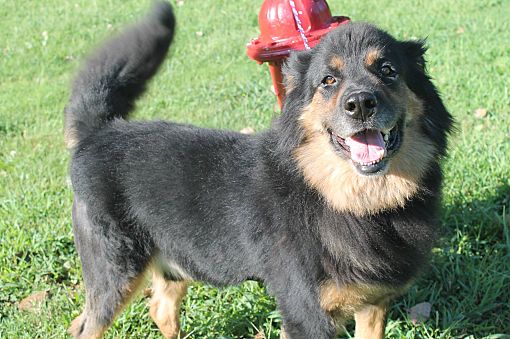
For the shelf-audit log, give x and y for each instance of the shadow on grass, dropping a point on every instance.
(468, 280)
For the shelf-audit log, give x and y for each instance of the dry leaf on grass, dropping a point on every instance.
(420, 312)
(260, 335)
(33, 301)
(480, 113)
(247, 130)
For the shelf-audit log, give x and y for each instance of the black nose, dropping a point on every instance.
(360, 105)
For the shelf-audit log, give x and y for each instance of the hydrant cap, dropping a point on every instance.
(279, 31)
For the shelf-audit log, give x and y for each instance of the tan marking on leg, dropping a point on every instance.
(130, 291)
(350, 298)
(90, 329)
(339, 183)
(342, 303)
(336, 63)
(70, 138)
(165, 304)
(371, 322)
(372, 56)
(88, 319)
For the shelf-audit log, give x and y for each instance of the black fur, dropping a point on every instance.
(224, 206)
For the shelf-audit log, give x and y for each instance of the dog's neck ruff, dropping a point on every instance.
(346, 191)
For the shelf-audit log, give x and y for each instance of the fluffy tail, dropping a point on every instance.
(117, 74)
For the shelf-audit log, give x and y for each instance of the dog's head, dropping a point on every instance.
(368, 121)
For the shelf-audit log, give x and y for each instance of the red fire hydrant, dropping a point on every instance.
(287, 25)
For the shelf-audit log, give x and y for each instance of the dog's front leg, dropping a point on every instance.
(303, 317)
(371, 321)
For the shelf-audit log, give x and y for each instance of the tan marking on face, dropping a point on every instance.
(336, 63)
(339, 183)
(313, 117)
(372, 56)
(414, 105)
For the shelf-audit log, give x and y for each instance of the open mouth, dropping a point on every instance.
(369, 149)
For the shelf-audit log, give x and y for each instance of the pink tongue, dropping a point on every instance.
(366, 146)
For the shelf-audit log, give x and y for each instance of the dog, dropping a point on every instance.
(334, 208)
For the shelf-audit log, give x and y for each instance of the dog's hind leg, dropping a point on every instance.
(113, 269)
(165, 304)
(101, 307)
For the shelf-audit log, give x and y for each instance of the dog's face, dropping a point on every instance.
(365, 104)
(362, 134)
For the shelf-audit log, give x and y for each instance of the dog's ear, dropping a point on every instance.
(295, 68)
(415, 50)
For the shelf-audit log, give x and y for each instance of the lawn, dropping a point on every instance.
(209, 81)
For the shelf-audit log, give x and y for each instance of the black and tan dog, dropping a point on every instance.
(333, 208)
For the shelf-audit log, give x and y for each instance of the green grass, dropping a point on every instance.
(209, 81)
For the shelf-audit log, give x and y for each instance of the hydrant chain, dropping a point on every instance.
(298, 23)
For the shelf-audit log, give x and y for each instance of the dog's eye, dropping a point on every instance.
(388, 71)
(329, 80)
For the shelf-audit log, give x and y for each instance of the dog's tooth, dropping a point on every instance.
(386, 137)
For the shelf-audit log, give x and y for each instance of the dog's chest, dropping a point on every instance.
(373, 251)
